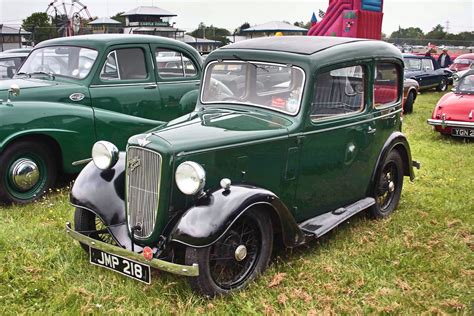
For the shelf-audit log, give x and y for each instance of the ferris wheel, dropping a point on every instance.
(68, 16)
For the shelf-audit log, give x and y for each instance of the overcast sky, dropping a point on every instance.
(229, 14)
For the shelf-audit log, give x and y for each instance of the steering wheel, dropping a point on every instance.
(219, 90)
(44, 68)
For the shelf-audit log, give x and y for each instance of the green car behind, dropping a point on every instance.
(72, 92)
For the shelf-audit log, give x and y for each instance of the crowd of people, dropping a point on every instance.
(443, 61)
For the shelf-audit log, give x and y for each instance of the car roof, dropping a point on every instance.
(100, 41)
(466, 56)
(414, 56)
(305, 45)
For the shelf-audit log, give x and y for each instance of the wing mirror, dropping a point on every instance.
(427, 68)
(13, 91)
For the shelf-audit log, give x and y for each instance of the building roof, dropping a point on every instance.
(275, 26)
(7, 30)
(305, 45)
(190, 39)
(148, 10)
(104, 21)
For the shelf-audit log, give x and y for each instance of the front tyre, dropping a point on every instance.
(28, 170)
(241, 254)
(89, 224)
(443, 85)
(388, 186)
(408, 108)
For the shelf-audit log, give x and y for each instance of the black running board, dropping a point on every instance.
(320, 225)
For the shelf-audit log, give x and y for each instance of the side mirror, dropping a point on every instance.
(13, 91)
(427, 68)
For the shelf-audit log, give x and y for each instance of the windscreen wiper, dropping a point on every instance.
(248, 62)
(49, 74)
(23, 73)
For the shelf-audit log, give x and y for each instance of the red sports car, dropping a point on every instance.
(454, 113)
(462, 62)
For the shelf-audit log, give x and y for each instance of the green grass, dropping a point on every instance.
(419, 260)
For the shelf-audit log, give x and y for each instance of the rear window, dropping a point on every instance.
(386, 86)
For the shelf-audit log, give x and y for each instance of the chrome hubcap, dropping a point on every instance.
(25, 174)
(240, 253)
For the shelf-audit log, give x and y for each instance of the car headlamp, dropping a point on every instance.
(190, 177)
(104, 154)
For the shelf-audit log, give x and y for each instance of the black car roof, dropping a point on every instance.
(305, 45)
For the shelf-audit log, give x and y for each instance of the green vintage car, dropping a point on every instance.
(291, 137)
(72, 92)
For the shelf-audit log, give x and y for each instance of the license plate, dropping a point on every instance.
(462, 132)
(130, 268)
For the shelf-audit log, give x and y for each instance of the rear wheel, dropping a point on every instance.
(91, 225)
(443, 85)
(28, 170)
(241, 254)
(388, 186)
(408, 108)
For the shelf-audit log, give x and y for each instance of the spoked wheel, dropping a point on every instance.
(443, 85)
(236, 258)
(91, 225)
(388, 186)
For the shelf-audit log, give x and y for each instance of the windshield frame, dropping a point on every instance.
(248, 104)
(461, 82)
(67, 45)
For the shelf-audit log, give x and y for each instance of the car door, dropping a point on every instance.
(431, 77)
(178, 73)
(336, 150)
(124, 94)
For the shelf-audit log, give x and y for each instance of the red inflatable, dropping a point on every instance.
(351, 18)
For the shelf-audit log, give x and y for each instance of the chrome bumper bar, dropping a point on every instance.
(445, 123)
(154, 263)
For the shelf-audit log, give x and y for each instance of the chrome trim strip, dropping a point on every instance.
(122, 85)
(450, 123)
(176, 82)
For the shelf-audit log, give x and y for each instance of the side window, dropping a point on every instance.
(124, 64)
(426, 64)
(173, 64)
(338, 92)
(386, 86)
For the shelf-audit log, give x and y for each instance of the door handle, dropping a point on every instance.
(152, 86)
(371, 130)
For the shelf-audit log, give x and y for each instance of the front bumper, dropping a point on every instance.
(154, 263)
(446, 123)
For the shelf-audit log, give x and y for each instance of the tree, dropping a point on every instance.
(436, 33)
(211, 32)
(40, 27)
(118, 17)
(244, 26)
(408, 33)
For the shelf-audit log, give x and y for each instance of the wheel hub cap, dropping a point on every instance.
(25, 174)
(240, 253)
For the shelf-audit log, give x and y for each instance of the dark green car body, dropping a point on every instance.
(46, 111)
(303, 170)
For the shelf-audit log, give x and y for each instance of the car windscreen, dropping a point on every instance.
(463, 61)
(466, 84)
(412, 64)
(274, 86)
(67, 61)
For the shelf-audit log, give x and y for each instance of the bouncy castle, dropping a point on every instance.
(351, 18)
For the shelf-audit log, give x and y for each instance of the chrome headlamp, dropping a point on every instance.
(190, 177)
(104, 154)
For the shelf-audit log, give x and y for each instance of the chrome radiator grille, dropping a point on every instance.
(143, 189)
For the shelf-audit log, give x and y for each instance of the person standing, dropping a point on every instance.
(428, 54)
(444, 60)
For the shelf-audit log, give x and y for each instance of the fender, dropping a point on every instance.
(203, 224)
(396, 140)
(188, 101)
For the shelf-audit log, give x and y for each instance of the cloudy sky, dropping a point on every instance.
(458, 14)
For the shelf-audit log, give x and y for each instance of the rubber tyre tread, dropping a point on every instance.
(374, 211)
(38, 149)
(204, 284)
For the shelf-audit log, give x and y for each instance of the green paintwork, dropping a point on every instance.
(111, 110)
(154, 263)
(308, 165)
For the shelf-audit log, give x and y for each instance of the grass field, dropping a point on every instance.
(419, 260)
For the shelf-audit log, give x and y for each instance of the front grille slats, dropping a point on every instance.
(143, 189)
